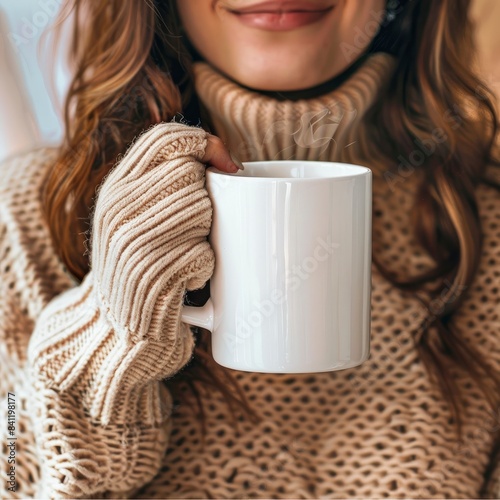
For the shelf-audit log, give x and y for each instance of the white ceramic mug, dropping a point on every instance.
(292, 282)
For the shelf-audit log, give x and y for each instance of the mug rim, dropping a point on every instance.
(361, 171)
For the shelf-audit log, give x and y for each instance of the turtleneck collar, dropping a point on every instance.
(256, 126)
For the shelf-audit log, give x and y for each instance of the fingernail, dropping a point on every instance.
(236, 161)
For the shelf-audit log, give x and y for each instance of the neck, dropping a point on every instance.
(311, 92)
(319, 124)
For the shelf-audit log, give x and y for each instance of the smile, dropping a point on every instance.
(280, 16)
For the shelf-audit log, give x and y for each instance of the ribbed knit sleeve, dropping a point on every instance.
(99, 350)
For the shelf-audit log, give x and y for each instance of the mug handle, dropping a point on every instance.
(199, 316)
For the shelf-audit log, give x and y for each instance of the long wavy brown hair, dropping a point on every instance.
(125, 55)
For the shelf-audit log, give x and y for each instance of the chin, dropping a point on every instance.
(277, 77)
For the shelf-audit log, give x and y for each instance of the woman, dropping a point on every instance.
(93, 281)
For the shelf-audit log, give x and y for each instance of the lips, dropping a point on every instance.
(280, 16)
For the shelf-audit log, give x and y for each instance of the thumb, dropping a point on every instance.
(218, 156)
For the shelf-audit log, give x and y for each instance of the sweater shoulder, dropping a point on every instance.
(34, 158)
(31, 272)
(478, 315)
(21, 176)
(488, 200)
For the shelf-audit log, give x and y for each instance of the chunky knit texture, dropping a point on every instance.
(103, 424)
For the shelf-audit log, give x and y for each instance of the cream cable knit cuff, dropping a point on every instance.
(99, 350)
(151, 215)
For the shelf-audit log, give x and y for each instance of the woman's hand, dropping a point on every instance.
(217, 155)
(148, 246)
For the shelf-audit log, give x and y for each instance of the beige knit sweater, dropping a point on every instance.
(82, 362)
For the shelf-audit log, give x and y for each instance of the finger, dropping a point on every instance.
(217, 155)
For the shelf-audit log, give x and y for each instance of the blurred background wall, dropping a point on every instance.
(33, 78)
(32, 88)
